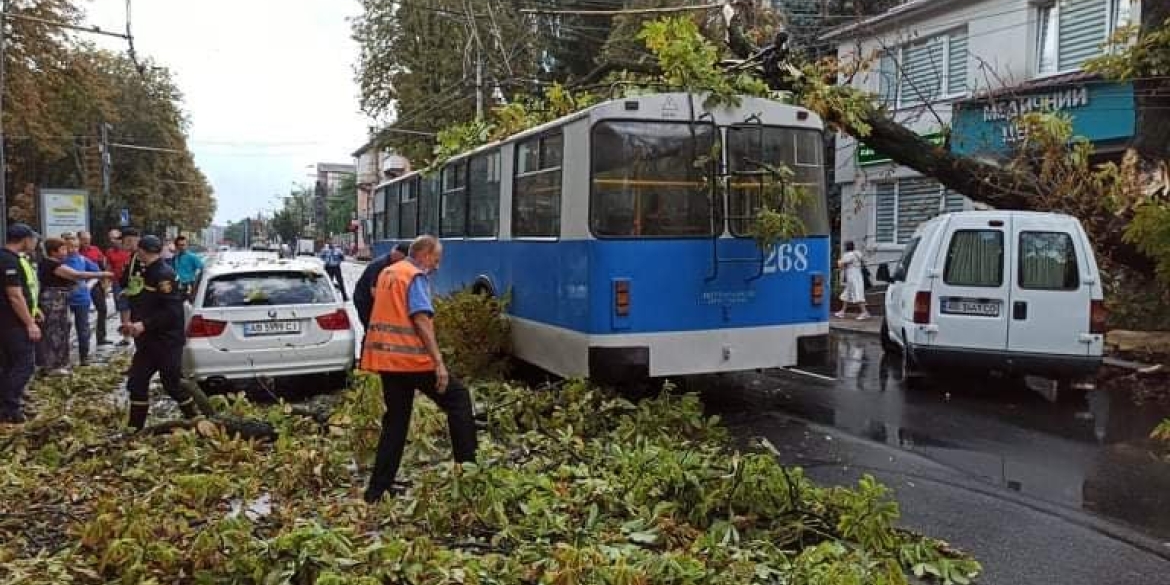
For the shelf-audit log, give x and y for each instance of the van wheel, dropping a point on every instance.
(912, 376)
(888, 345)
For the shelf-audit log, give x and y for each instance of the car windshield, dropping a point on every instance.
(268, 289)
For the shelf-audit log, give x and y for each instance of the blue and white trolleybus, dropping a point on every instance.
(623, 235)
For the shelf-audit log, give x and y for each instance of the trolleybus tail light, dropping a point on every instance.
(202, 328)
(335, 321)
(922, 307)
(818, 289)
(621, 298)
(1098, 315)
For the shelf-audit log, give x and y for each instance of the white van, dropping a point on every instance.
(1009, 291)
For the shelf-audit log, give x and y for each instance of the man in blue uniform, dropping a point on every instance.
(333, 258)
(156, 324)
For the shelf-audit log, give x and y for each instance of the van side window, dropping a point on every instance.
(1048, 261)
(975, 258)
(907, 258)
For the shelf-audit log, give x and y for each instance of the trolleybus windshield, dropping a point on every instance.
(800, 151)
(650, 180)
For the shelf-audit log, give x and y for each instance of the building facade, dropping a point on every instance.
(959, 73)
(374, 164)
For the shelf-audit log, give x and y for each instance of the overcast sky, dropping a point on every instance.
(268, 84)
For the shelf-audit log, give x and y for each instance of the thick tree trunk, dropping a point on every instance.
(1152, 97)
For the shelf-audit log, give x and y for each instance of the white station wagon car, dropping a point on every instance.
(255, 317)
(1008, 291)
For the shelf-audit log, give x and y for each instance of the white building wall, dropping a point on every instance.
(1001, 52)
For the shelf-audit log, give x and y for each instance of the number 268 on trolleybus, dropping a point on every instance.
(624, 234)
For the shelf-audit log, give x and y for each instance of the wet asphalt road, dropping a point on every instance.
(1041, 491)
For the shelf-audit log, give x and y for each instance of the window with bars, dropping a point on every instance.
(1071, 32)
(924, 70)
(902, 205)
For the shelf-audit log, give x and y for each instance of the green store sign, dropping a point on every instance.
(867, 155)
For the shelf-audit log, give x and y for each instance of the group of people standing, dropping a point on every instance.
(50, 291)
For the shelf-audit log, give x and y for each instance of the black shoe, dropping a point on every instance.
(105, 342)
(123, 343)
(373, 496)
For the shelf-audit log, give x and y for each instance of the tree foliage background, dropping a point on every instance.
(59, 90)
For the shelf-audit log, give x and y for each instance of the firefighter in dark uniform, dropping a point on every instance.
(156, 324)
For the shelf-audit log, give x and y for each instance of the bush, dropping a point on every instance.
(474, 334)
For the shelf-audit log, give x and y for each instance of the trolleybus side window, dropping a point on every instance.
(650, 180)
(762, 159)
(390, 225)
(536, 197)
(454, 200)
(428, 205)
(408, 219)
(483, 195)
(379, 226)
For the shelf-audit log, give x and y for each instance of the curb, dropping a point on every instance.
(1107, 361)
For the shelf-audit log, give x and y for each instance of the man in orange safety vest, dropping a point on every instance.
(401, 346)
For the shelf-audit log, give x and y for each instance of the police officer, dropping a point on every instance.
(156, 324)
(401, 346)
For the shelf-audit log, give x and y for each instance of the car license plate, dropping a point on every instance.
(260, 328)
(976, 307)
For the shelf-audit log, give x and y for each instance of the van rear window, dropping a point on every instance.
(269, 289)
(1048, 261)
(975, 258)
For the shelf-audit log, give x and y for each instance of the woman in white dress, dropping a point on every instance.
(850, 264)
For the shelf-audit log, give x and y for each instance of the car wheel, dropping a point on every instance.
(888, 345)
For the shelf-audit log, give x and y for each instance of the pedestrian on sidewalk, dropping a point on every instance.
(401, 346)
(80, 299)
(19, 331)
(58, 281)
(130, 282)
(334, 257)
(188, 266)
(118, 258)
(156, 324)
(100, 289)
(852, 264)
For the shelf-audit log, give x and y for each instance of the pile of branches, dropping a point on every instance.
(574, 485)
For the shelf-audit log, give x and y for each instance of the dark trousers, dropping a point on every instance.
(166, 360)
(17, 365)
(81, 326)
(398, 391)
(98, 293)
(335, 275)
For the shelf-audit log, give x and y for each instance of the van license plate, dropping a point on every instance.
(971, 307)
(260, 328)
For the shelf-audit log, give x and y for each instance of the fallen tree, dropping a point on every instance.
(574, 485)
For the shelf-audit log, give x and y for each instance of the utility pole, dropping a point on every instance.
(105, 152)
(478, 84)
(3, 159)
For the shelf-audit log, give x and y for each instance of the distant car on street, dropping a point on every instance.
(1010, 291)
(266, 318)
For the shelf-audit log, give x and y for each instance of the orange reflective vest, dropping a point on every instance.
(392, 344)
